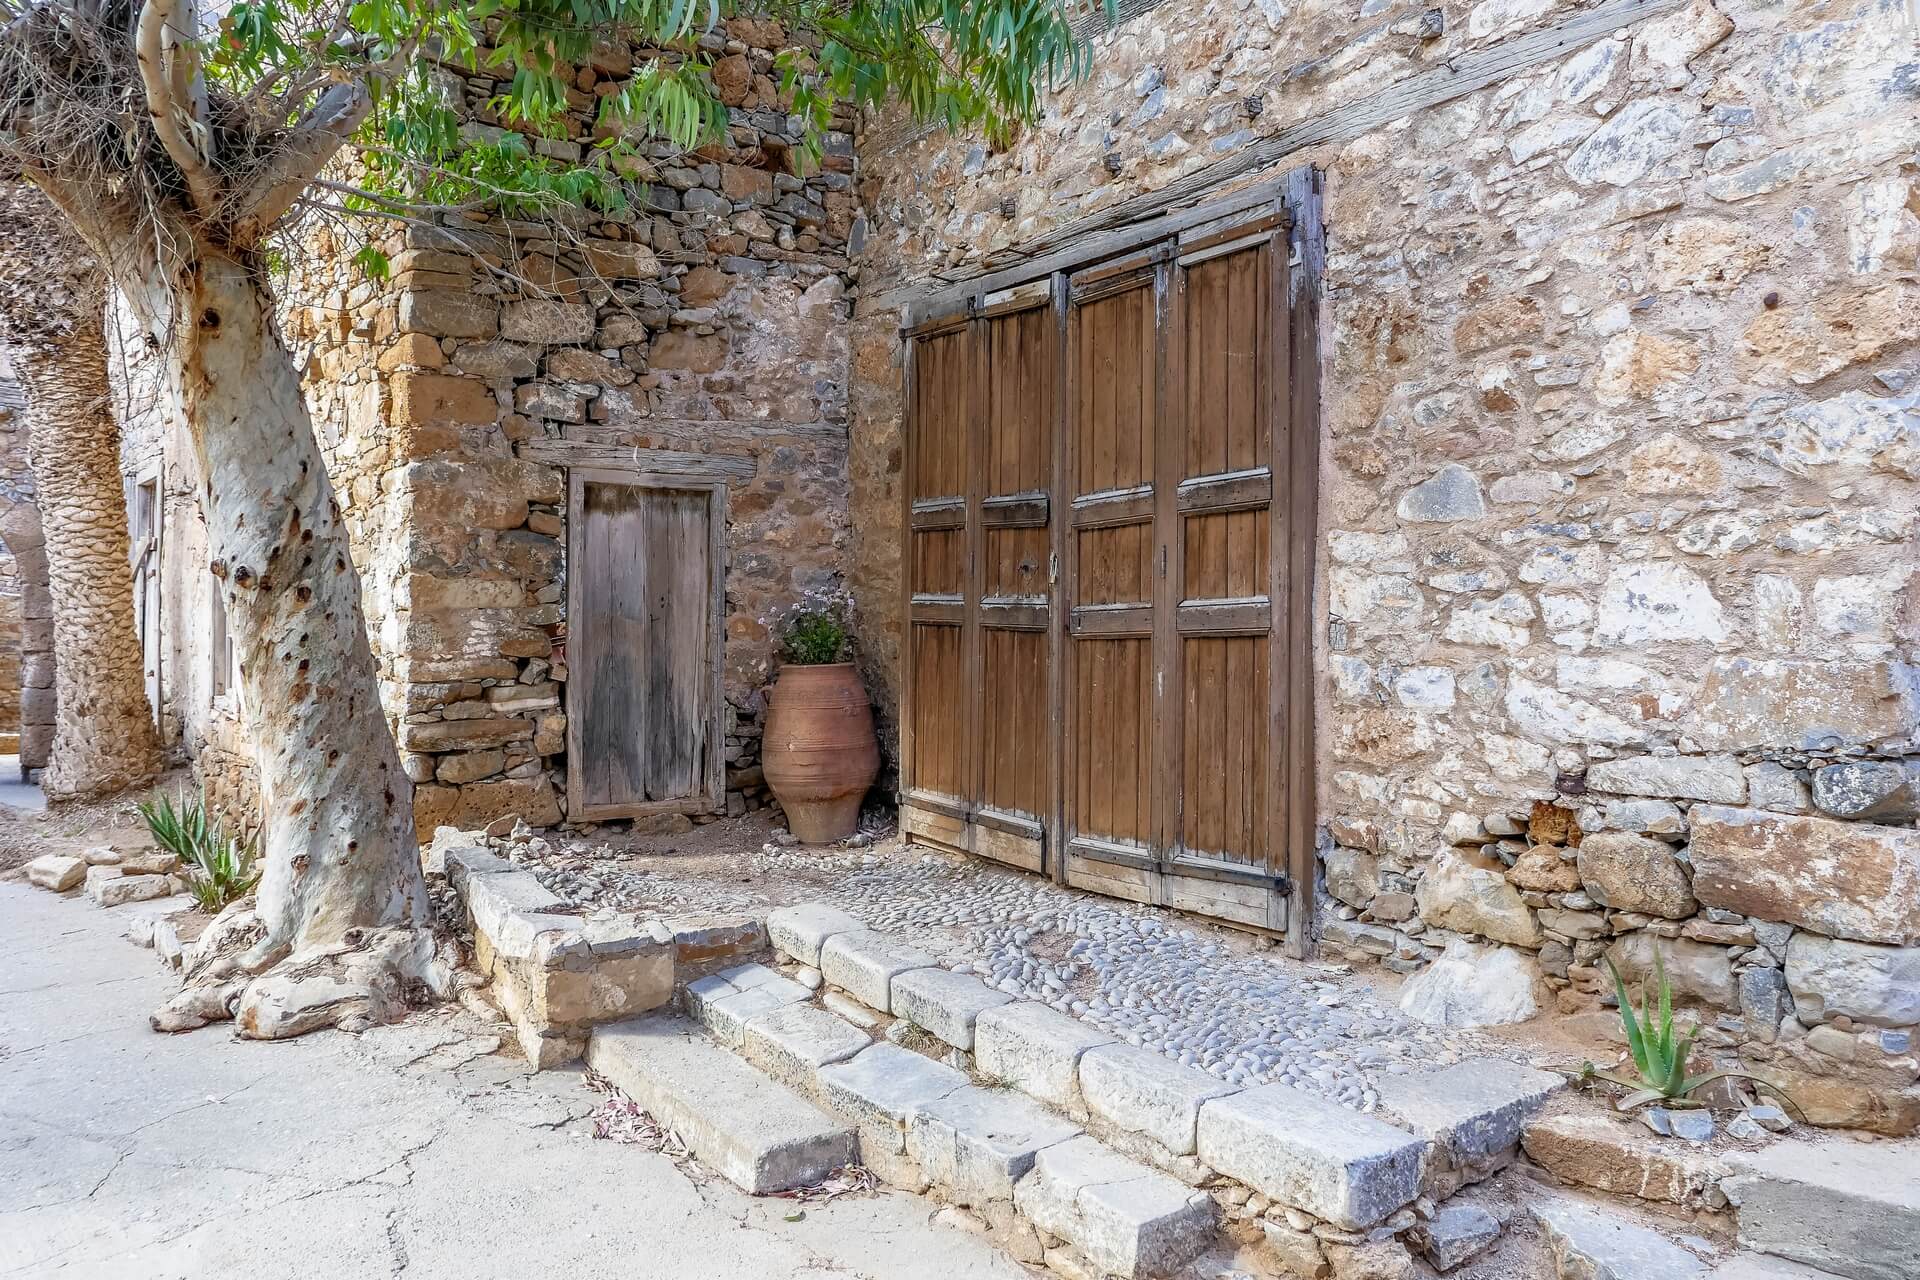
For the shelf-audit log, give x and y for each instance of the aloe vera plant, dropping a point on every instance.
(1660, 1051)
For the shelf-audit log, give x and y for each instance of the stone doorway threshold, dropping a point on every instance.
(1208, 996)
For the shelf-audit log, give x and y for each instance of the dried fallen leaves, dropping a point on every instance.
(621, 1119)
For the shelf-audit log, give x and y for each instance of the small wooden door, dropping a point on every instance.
(645, 586)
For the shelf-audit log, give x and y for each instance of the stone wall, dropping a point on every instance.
(708, 318)
(1621, 461)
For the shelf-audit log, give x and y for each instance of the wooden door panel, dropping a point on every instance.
(1115, 390)
(1014, 511)
(1227, 860)
(936, 743)
(1014, 686)
(1224, 814)
(644, 699)
(1113, 797)
(939, 711)
(1114, 811)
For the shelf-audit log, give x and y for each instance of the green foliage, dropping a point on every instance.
(1660, 1051)
(219, 867)
(814, 637)
(964, 64)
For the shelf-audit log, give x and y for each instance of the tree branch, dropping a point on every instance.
(312, 143)
(176, 94)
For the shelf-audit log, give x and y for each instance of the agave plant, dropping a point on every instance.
(1660, 1052)
(219, 867)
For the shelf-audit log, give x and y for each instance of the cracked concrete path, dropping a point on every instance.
(413, 1150)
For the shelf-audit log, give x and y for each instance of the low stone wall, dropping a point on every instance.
(557, 974)
(1779, 893)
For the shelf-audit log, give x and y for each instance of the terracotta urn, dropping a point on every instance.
(818, 749)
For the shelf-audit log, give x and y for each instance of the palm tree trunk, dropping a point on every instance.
(104, 739)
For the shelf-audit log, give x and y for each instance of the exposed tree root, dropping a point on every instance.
(373, 975)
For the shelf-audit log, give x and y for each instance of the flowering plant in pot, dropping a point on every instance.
(818, 750)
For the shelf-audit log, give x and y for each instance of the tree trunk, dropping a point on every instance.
(52, 298)
(342, 899)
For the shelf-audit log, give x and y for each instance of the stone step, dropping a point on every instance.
(976, 1144)
(1124, 1218)
(878, 1091)
(1311, 1154)
(757, 1133)
(1472, 1113)
(725, 1002)
(1849, 1208)
(1591, 1241)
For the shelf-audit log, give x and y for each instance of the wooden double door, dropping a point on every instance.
(1110, 481)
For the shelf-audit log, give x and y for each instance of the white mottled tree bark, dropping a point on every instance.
(339, 930)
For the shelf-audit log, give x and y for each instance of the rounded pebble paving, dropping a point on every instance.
(1139, 973)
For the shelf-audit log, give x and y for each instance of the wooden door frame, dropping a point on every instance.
(152, 605)
(715, 487)
(1298, 196)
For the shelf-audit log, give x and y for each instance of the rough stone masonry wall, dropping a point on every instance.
(1621, 464)
(710, 318)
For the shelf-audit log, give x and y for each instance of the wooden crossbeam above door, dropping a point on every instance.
(627, 458)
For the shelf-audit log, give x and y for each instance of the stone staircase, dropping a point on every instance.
(1088, 1154)
(1087, 1151)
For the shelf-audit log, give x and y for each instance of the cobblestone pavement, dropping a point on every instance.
(1232, 1004)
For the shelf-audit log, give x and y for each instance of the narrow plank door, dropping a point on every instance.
(1115, 756)
(976, 757)
(644, 700)
(938, 775)
(1225, 570)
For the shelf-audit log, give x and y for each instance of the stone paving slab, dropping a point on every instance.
(864, 964)
(879, 1089)
(1139, 1090)
(801, 930)
(760, 1135)
(1127, 1219)
(1474, 1110)
(1036, 1050)
(944, 1003)
(1310, 1154)
(1759, 1266)
(793, 1042)
(976, 1143)
(1848, 1207)
(724, 1002)
(1598, 1241)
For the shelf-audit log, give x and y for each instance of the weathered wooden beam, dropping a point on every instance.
(659, 462)
(1467, 74)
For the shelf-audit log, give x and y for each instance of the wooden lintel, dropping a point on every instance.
(625, 458)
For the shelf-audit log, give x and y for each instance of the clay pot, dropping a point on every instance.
(818, 750)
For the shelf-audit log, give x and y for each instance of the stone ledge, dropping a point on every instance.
(555, 974)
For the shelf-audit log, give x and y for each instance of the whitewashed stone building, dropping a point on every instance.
(1585, 469)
